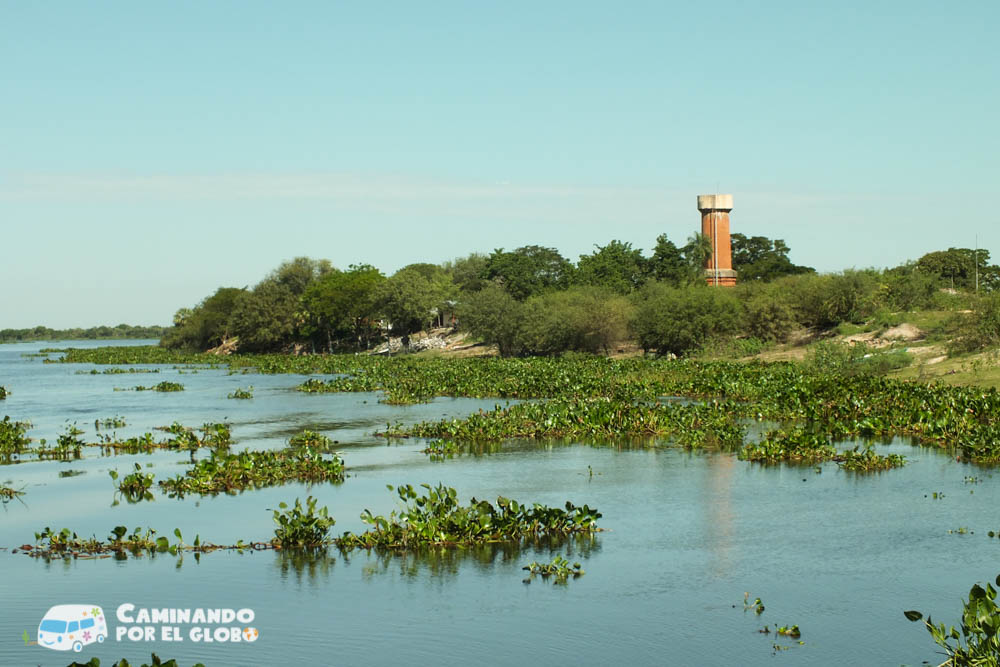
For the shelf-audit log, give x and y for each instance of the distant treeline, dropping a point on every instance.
(534, 301)
(93, 333)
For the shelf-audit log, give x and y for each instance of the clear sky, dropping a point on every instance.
(151, 152)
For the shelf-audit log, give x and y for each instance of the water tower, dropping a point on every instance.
(715, 226)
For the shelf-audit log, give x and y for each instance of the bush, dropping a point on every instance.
(766, 314)
(580, 319)
(681, 320)
(905, 288)
(831, 357)
(979, 329)
(827, 300)
(493, 316)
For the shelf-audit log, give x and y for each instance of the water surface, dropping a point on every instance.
(841, 555)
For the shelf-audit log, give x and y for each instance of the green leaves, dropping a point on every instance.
(437, 518)
(559, 569)
(979, 641)
(302, 527)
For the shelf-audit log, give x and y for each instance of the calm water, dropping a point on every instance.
(686, 534)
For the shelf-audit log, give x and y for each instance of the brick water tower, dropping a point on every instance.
(715, 225)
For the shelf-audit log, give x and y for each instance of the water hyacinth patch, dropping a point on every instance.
(559, 569)
(689, 425)
(135, 486)
(437, 518)
(311, 439)
(13, 435)
(229, 473)
(242, 393)
(162, 386)
(121, 544)
(300, 527)
(835, 404)
(868, 461)
(795, 446)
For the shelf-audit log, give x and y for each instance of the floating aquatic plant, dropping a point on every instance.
(242, 393)
(228, 473)
(302, 527)
(559, 569)
(979, 641)
(436, 518)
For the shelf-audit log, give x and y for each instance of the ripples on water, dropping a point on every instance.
(838, 554)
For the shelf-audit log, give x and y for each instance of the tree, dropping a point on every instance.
(667, 264)
(493, 316)
(468, 273)
(529, 270)
(265, 319)
(767, 315)
(296, 275)
(617, 267)
(342, 306)
(697, 252)
(270, 316)
(957, 267)
(414, 296)
(760, 258)
(205, 325)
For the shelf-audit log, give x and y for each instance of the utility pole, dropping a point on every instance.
(977, 263)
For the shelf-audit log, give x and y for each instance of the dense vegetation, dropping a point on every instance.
(533, 301)
(832, 398)
(94, 333)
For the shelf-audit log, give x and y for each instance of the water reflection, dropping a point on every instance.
(309, 563)
(719, 524)
(441, 562)
(445, 562)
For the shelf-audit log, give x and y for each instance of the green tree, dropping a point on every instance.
(760, 258)
(414, 297)
(827, 300)
(205, 325)
(342, 306)
(529, 270)
(617, 267)
(667, 264)
(270, 316)
(468, 273)
(956, 267)
(265, 319)
(697, 252)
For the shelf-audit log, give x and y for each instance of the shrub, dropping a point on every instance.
(766, 314)
(678, 321)
(827, 300)
(580, 319)
(979, 329)
(493, 316)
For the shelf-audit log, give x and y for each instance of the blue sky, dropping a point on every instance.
(151, 152)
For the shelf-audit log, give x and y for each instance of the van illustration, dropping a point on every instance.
(72, 626)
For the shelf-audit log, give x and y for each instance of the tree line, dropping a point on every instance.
(534, 301)
(77, 333)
